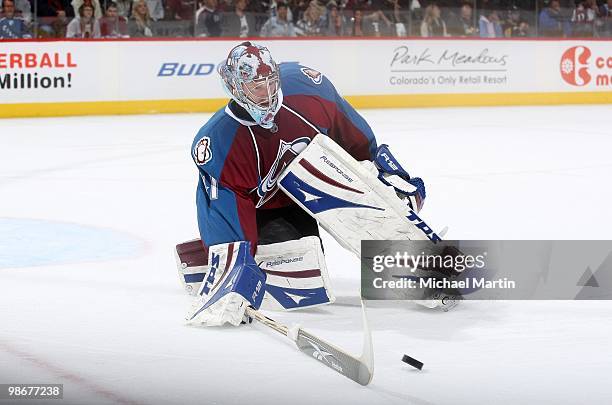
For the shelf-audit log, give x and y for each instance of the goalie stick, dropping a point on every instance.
(359, 369)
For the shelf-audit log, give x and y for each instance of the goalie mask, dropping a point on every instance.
(251, 78)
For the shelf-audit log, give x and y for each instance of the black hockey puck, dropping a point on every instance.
(413, 362)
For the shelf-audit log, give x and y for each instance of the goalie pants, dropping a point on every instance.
(283, 224)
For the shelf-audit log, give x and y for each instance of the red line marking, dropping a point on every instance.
(67, 375)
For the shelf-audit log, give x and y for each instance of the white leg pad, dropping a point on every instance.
(296, 274)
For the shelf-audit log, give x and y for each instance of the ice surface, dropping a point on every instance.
(100, 202)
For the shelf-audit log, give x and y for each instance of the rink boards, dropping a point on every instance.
(130, 76)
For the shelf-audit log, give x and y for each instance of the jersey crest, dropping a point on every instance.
(287, 151)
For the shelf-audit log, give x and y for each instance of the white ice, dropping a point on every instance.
(91, 208)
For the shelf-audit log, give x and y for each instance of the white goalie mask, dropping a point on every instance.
(251, 78)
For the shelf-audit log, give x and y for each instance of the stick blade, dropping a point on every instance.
(333, 358)
(360, 370)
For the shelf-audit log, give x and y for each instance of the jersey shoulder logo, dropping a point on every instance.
(315, 76)
(202, 152)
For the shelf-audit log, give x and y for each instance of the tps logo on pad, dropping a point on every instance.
(574, 66)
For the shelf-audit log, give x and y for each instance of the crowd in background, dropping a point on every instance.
(276, 18)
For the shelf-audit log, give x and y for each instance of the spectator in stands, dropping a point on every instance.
(377, 18)
(84, 25)
(124, 8)
(433, 25)
(11, 26)
(583, 18)
(514, 25)
(156, 9)
(23, 10)
(604, 22)
(209, 20)
(53, 26)
(179, 9)
(141, 25)
(551, 23)
(524, 30)
(310, 23)
(279, 26)
(50, 8)
(462, 25)
(225, 5)
(298, 8)
(334, 21)
(59, 25)
(239, 23)
(258, 8)
(489, 25)
(112, 25)
(416, 16)
(358, 23)
(399, 19)
(76, 5)
(510, 21)
(273, 6)
(366, 24)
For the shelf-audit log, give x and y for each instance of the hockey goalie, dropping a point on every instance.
(286, 155)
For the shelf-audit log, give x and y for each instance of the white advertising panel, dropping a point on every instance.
(102, 71)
